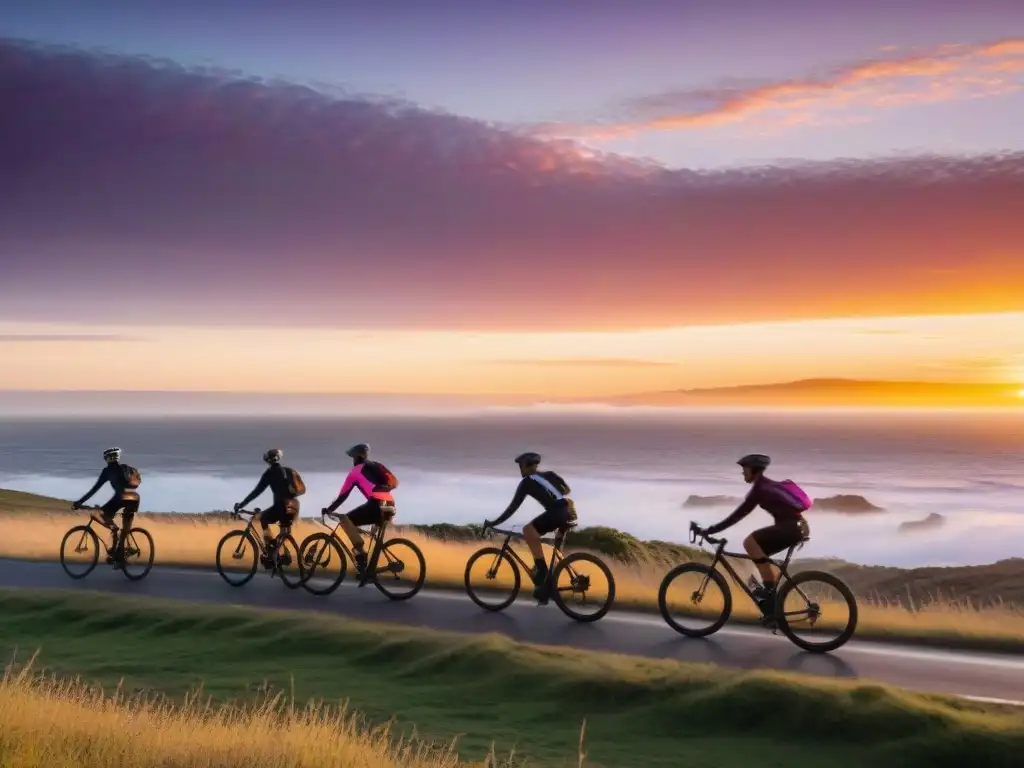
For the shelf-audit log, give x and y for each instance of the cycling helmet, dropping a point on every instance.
(273, 456)
(359, 451)
(112, 454)
(528, 458)
(755, 461)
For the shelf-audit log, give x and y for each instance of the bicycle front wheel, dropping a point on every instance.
(79, 551)
(583, 587)
(237, 558)
(816, 611)
(694, 600)
(325, 561)
(139, 553)
(492, 579)
(401, 569)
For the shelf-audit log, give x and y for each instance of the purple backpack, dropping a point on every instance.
(794, 494)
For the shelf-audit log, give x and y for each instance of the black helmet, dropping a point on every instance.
(360, 451)
(273, 456)
(528, 458)
(112, 454)
(755, 461)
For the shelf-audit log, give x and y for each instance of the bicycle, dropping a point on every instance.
(135, 540)
(319, 550)
(254, 544)
(578, 584)
(779, 619)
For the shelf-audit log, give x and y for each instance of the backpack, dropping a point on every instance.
(387, 477)
(795, 495)
(295, 485)
(132, 478)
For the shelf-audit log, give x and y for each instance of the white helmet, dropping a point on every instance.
(112, 454)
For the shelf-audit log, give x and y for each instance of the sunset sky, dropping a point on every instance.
(483, 197)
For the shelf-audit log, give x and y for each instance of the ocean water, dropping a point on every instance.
(629, 468)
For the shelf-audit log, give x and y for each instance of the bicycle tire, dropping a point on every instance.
(334, 549)
(556, 594)
(834, 581)
(244, 538)
(85, 530)
(132, 533)
(517, 579)
(417, 586)
(286, 576)
(707, 572)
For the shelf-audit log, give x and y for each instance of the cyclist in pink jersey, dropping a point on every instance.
(375, 482)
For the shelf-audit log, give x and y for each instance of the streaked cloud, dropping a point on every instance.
(591, 362)
(166, 195)
(847, 93)
(36, 338)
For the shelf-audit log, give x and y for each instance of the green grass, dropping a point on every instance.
(529, 699)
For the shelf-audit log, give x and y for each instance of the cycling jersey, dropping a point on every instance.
(547, 488)
(113, 474)
(767, 495)
(275, 478)
(370, 481)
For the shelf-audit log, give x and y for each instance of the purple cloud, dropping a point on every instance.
(143, 191)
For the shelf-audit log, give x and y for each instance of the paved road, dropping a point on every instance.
(986, 676)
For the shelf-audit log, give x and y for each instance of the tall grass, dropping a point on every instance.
(191, 540)
(50, 722)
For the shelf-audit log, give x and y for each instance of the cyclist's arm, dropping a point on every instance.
(346, 489)
(517, 501)
(261, 486)
(96, 487)
(742, 511)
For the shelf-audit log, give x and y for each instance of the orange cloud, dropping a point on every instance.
(947, 73)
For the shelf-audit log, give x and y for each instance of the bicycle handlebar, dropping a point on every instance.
(236, 514)
(696, 532)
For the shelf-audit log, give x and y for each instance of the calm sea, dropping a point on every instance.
(629, 469)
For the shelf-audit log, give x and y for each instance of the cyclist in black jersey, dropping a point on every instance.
(125, 500)
(285, 508)
(550, 491)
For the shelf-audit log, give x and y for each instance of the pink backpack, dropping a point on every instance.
(795, 495)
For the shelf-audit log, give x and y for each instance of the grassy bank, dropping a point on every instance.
(191, 540)
(483, 691)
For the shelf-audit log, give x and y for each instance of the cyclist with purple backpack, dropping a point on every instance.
(783, 500)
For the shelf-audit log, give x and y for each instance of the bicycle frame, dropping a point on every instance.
(555, 544)
(721, 554)
(376, 536)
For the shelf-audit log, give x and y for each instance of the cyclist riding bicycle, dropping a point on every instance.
(550, 490)
(785, 502)
(124, 480)
(375, 482)
(286, 486)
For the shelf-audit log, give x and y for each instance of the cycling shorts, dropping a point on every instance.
(559, 516)
(373, 512)
(127, 504)
(282, 513)
(782, 535)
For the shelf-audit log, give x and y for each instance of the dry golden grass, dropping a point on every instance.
(50, 722)
(191, 540)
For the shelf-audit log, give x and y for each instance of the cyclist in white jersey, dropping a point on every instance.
(551, 492)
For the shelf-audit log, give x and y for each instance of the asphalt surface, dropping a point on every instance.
(973, 675)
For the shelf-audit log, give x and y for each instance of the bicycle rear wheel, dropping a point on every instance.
(237, 558)
(289, 564)
(139, 553)
(695, 600)
(822, 606)
(497, 583)
(401, 569)
(79, 551)
(323, 559)
(581, 581)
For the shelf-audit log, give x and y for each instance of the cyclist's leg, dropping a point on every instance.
(365, 514)
(765, 542)
(109, 512)
(291, 514)
(546, 522)
(131, 506)
(272, 515)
